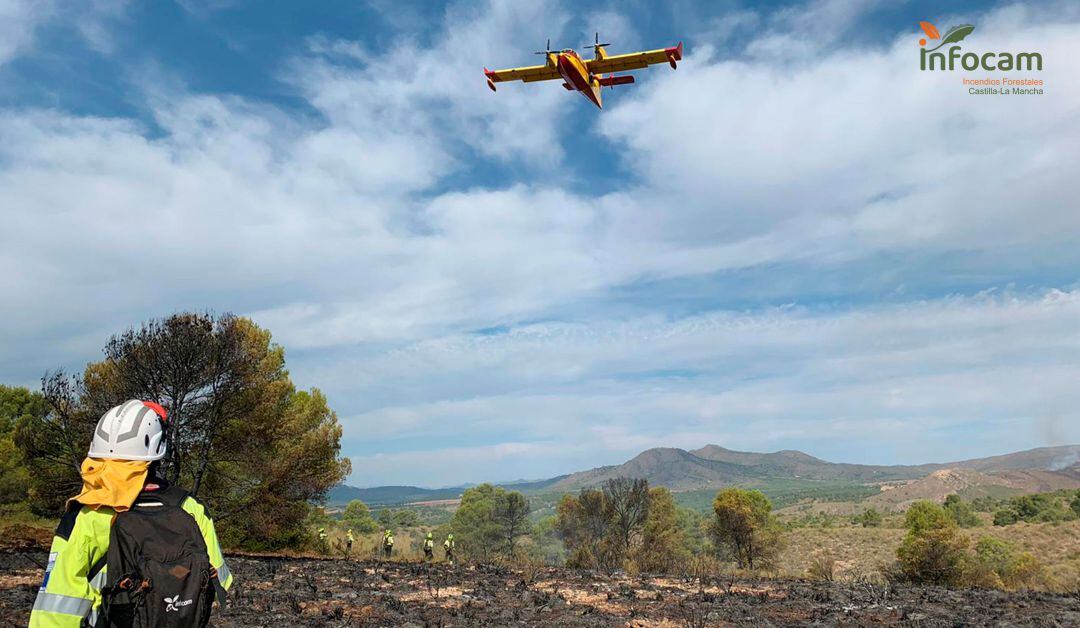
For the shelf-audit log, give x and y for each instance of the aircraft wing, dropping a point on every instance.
(528, 74)
(635, 60)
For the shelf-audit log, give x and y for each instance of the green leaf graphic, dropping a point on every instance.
(955, 34)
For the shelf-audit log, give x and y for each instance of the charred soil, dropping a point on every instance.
(283, 591)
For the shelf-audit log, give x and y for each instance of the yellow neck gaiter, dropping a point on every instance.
(112, 483)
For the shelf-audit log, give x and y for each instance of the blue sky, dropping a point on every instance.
(797, 240)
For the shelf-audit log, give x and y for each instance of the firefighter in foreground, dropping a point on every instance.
(131, 549)
(448, 546)
(388, 543)
(429, 547)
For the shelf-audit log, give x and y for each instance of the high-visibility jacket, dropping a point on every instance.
(388, 540)
(68, 594)
(429, 544)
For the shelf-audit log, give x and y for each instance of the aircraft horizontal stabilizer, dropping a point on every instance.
(609, 81)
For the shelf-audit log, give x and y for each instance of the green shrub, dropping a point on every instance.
(1005, 517)
(997, 563)
(15, 404)
(744, 529)
(925, 515)
(357, 517)
(934, 556)
(961, 512)
(489, 522)
(1037, 508)
(870, 518)
(934, 551)
(663, 545)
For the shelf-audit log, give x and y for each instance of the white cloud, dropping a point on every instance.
(18, 19)
(458, 465)
(902, 379)
(351, 236)
(436, 93)
(777, 153)
(250, 196)
(612, 27)
(93, 21)
(97, 24)
(803, 32)
(204, 8)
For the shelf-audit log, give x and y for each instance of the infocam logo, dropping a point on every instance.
(931, 59)
(173, 604)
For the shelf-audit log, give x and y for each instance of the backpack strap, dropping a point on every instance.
(95, 569)
(67, 522)
(99, 564)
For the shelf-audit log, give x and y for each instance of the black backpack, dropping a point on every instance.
(158, 572)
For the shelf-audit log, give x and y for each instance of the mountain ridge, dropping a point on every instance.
(713, 466)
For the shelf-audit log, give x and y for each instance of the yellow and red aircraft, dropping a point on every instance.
(586, 75)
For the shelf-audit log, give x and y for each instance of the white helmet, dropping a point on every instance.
(134, 430)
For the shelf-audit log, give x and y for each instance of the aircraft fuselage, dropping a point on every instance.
(577, 75)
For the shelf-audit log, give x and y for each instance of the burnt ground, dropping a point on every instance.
(278, 591)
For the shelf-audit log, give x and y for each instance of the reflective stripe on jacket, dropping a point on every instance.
(68, 593)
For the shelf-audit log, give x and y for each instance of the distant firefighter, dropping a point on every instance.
(429, 547)
(448, 546)
(388, 543)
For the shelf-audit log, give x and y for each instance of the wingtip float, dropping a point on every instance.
(587, 76)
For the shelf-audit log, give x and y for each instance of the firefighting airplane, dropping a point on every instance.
(586, 75)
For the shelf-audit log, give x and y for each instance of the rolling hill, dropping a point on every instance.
(390, 495)
(394, 495)
(712, 467)
(972, 484)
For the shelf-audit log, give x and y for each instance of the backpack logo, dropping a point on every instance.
(174, 603)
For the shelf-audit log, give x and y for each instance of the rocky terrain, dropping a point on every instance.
(280, 591)
(971, 484)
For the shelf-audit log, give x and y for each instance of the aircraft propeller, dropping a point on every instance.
(544, 52)
(596, 43)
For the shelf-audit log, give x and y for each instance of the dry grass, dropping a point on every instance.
(1055, 545)
(857, 551)
(861, 551)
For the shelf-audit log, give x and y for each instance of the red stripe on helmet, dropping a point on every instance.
(157, 408)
